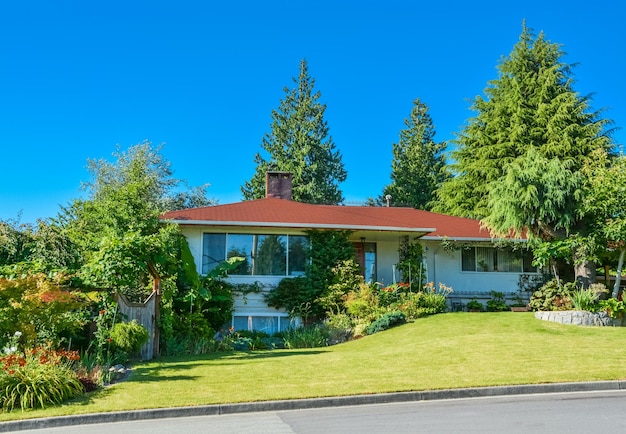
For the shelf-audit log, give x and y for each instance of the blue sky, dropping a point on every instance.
(202, 77)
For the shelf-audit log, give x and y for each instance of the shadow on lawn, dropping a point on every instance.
(156, 370)
(235, 355)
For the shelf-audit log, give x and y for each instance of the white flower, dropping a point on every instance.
(17, 334)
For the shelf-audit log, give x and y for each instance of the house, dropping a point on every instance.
(271, 234)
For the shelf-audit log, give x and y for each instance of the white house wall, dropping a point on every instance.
(444, 266)
(194, 239)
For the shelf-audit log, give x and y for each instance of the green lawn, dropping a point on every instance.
(439, 352)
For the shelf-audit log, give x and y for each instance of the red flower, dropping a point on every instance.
(102, 312)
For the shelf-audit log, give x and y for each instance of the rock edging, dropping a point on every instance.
(578, 317)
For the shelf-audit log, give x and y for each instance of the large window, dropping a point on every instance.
(268, 324)
(264, 255)
(488, 259)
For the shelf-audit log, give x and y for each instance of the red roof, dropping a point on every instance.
(273, 212)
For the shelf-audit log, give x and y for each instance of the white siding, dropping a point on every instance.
(442, 266)
(445, 266)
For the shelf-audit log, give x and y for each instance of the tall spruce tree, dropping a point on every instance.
(518, 162)
(299, 143)
(531, 105)
(418, 166)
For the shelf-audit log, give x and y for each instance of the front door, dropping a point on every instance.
(366, 258)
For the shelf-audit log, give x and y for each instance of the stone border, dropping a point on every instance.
(578, 317)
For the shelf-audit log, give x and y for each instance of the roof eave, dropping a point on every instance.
(300, 225)
(471, 239)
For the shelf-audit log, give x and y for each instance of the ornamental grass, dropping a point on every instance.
(37, 378)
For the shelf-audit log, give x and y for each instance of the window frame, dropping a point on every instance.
(291, 268)
(491, 259)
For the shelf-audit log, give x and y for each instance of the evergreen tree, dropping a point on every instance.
(518, 162)
(531, 105)
(299, 143)
(418, 166)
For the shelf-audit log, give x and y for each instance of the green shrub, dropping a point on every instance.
(474, 304)
(363, 302)
(429, 301)
(585, 299)
(290, 293)
(218, 309)
(340, 327)
(193, 346)
(306, 337)
(614, 308)
(246, 340)
(496, 303)
(386, 321)
(346, 279)
(192, 325)
(38, 378)
(553, 296)
(129, 336)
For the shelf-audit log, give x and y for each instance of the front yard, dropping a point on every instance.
(438, 352)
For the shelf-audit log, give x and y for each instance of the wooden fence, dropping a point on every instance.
(146, 314)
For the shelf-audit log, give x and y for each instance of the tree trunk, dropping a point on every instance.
(585, 273)
(618, 277)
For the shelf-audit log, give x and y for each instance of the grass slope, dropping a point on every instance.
(443, 351)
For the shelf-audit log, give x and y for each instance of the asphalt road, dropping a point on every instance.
(579, 412)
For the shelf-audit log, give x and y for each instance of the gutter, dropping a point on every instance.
(491, 240)
(298, 225)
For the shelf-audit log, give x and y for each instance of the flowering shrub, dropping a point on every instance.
(12, 344)
(38, 377)
(392, 293)
(101, 345)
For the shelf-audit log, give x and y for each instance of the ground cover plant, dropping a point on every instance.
(436, 352)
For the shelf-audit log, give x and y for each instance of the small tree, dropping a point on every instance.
(328, 249)
(605, 202)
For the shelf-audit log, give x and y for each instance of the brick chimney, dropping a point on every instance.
(278, 185)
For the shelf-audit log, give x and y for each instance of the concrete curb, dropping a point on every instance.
(299, 404)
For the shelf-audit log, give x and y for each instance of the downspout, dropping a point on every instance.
(435, 251)
(618, 277)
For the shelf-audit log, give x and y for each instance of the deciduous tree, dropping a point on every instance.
(605, 204)
(117, 225)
